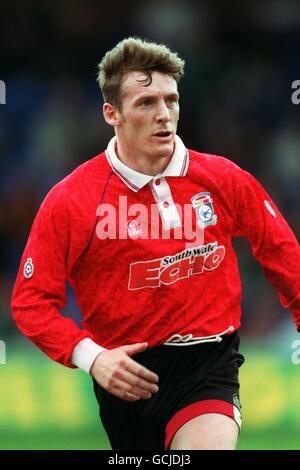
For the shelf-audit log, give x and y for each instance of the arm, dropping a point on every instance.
(40, 293)
(272, 241)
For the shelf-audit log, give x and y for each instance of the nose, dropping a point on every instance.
(163, 113)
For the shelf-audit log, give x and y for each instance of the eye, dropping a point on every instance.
(172, 100)
(147, 102)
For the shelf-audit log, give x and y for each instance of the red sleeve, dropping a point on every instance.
(273, 243)
(40, 288)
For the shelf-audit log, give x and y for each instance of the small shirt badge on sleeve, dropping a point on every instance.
(28, 268)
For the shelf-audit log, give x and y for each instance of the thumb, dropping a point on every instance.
(135, 348)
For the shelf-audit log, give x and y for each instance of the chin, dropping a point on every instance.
(164, 150)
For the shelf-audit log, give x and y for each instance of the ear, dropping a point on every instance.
(111, 114)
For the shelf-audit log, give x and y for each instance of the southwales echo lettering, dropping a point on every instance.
(155, 273)
(199, 251)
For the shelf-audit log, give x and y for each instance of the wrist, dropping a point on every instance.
(85, 354)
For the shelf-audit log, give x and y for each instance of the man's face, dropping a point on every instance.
(148, 119)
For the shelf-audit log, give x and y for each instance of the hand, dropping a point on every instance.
(120, 375)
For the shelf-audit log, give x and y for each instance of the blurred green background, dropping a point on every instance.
(46, 406)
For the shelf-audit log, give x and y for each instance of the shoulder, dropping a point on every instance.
(84, 183)
(220, 173)
(213, 163)
(93, 171)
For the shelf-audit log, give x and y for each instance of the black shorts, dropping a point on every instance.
(193, 380)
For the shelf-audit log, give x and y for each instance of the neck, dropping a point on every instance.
(142, 163)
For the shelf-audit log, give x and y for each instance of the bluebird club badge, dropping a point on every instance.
(203, 205)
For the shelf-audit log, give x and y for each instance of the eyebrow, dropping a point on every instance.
(153, 95)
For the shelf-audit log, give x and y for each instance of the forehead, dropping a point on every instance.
(134, 84)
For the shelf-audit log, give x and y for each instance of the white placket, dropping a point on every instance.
(167, 209)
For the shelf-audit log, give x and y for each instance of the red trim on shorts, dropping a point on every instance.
(192, 411)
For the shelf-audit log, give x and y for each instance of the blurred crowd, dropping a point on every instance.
(241, 59)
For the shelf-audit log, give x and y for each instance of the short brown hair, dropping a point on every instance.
(135, 54)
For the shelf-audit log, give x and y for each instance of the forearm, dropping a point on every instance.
(41, 321)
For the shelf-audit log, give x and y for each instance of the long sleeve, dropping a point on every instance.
(273, 243)
(40, 288)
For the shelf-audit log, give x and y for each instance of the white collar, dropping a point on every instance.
(177, 166)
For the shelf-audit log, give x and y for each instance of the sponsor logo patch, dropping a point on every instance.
(170, 269)
(203, 205)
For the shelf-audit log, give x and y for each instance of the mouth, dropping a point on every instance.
(163, 135)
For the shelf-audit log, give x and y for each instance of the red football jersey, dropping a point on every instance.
(142, 277)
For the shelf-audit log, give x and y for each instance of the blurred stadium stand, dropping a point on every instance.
(235, 102)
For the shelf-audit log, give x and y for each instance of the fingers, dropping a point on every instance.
(138, 382)
(140, 371)
(133, 384)
(134, 367)
(122, 376)
(130, 391)
(135, 348)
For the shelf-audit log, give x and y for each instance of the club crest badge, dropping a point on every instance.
(203, 205)
(28, 268)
